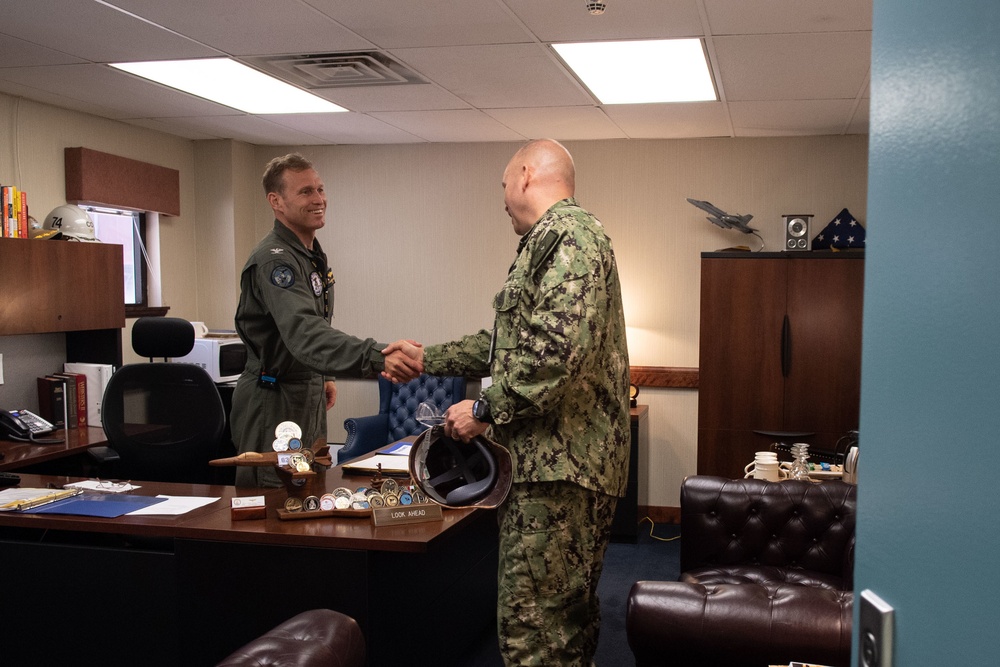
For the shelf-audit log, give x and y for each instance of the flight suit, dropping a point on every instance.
(559, 402)
(283, 317)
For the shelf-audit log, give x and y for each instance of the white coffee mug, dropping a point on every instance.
(200, 330)
(851, 466)
(769, 471)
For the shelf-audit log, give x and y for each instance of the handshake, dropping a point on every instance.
(404, 361)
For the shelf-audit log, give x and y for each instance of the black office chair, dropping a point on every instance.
(163, 420)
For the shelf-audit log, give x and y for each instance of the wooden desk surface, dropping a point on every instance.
(219, 583)
(214, 522)
(75, 440)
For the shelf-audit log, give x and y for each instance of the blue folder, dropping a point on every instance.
(102, 505)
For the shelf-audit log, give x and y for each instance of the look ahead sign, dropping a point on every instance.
(391, 516)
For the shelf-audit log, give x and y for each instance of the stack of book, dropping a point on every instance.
(73, 397)
(14, 212)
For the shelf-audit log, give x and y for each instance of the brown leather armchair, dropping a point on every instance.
(315, 638)
(766, 578)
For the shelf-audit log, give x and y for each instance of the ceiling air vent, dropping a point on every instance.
(337, 70)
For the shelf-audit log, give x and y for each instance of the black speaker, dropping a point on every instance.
(797, 232)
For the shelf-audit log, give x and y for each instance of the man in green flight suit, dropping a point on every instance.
(558, 402)
(283, 317)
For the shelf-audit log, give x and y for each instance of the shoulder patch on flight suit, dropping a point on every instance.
(282, 276)
(544, 249)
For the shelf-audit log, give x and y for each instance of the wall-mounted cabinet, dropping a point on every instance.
(62, 286)
(780, 353)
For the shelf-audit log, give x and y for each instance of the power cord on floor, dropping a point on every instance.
(652, 526)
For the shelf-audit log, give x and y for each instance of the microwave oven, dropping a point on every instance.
(222, 358)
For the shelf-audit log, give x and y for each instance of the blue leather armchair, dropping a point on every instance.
(397, 407)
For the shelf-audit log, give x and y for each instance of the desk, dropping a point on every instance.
(189, 590)
(76, 441)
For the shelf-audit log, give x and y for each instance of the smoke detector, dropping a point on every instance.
(596, 8)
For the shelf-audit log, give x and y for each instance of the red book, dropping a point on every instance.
(5, 210)
(79, 380)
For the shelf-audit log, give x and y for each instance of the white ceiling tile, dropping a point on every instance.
(781, 118)
(671, 121)
(793, 67)
(569, 21)
(739, 17)
(272, 27)
(404, 97)
(393, 24)
(490, 71)
(129, 96)
(92, 31)
(57, 99)
(345, 128)
(559, 123)
(450, 126)
(180, 127)
(16, 52)
(251, 129)
(498, 76)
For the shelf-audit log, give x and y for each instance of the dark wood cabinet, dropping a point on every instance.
(780, 353)
(61, 286)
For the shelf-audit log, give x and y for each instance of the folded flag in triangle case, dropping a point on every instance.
(844, 231)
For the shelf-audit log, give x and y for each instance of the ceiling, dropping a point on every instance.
(484, 69)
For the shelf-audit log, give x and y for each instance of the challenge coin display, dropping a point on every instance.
(383, 493)
(287, 430)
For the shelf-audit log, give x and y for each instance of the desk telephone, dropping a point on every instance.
(23, 425)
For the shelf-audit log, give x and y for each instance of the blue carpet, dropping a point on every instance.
(624, 564)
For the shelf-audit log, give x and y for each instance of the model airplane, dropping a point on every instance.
(263, 459)
(723, 219)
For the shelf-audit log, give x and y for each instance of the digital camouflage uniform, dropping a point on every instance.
(559, 400)
(286, 302)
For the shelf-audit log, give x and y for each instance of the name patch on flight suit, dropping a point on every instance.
(283, 277)
(317, 282)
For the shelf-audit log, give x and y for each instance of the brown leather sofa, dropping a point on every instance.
(315, 638)
(766, 578)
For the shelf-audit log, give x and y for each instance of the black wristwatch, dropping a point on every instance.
(481, 411)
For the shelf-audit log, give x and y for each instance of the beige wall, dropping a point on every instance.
(419, 242)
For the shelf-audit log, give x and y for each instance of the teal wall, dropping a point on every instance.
(929, 493)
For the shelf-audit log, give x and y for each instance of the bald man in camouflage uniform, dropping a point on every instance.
(559, 402)
(283, 317)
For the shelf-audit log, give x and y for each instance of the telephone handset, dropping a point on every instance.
(24, 426)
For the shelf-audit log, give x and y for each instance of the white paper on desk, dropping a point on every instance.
(174, 505)
(102, 487)
(390, 463)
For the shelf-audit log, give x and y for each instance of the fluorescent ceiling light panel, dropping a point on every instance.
(642, 71)
(228, 82)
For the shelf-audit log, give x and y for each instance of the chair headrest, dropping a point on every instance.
(162, 337)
